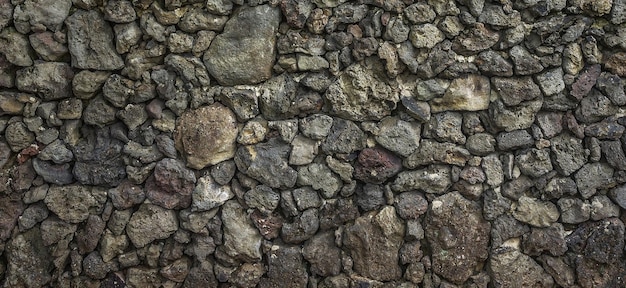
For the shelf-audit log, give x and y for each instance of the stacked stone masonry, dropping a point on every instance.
(312, 143)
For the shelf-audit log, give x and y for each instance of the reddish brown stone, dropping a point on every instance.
(296, 12)
(88, 236)
(171, 184)
(11, 207)
(376, 165)
(28, 152)
(616, 63)
(570, 122)
(269, 225)
(585, 82)
(127, 195)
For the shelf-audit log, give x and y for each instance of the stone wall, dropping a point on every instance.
(312, 143)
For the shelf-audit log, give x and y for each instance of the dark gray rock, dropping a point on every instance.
(433, 152)
(535, 212)
(602, 207)
(98, 159)
(88, 236)
(481, 144)
(475, 40)
(612, 86)
(374, 241)
(494, 204)
(323, 254)
(243, 102)
(49, 80)
(550, 239)
(189, 68)
(241, 239)
(614, 154)
(504, 228)
(524, 62)
(370, 197)
(7, 13)
(281, 99)
(285, 266)
(171, 185)
(345, 137)
(514, 140)
(336, 212)
(126, 195)
(445, 127)
(557, 187)
(267, 163)
(491, 63)
(435, 179)
(150, 223)
(197, 19)
(510, 267)
(31, 15)
(605, 130)
(32, 215)
(90, 40)
(29, 262)
(262, 198)
(302, 228)
(320, 178)
(99, 112)
(18, 136)
(534, 162)
(455, 225)
(254, 29)
(306, 198)
(601, 241)
(568, 153)
(514, 91)
(550, 123)
(595, 107)
(74, 203)
(574, 210)
(15, 48)
(517, 117)
(316, 126)
(410, 205)
(119, 11)
(594, 176)
(59, 174)
(618, 194)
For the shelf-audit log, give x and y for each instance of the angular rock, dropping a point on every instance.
(262, 198)
(435, 179)
(18, 136)
(511, 268)
(208, 194)
(196, 19)
(171, 185)
(267, 162)
(445, 127)
(568, 153)
(433, 152)
(321, 178)
(535, 212)
(74, 203)
(475, 40)
(601, 241)
(206, 136)
(376, 165)
(302, 228)
(370, 197)
(541, 240)
(534, 162)
(481, 144)
(595, 107)
(458, 236)
(469, 93)
(303, 150)
(323, 254)
(59, 174)
(514, 91)
(410, 205)
(49, 80)
(374, 241)
(12, 208)
(98, 159)
(241, 239)
(425, 36)
(29, 262)
(15, 48)
(88, 236)
(285, 265)
(119, 11)
(126, 195)
(189, 68)
(492, 63)
(605, 130)
(517, 117)
(151, 222)
(90, 40)
(612, 86)
(525, 63)
(31, 15)
(586, 80)
(594, 176)
(345, 137)
(372, 99)
(244, 53)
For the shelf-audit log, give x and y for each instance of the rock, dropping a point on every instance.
(514, 91)
(574, 210)
(126, 36)
(262, 198)
(372, 99)
(600, 241)
(376, 165)
(475, 40)
(15, 48)
(370, 197)
(285, 265)
(433, 179)
(189, 68)
(18, 137)
(11, 210)
(177, 271)
(425, 36)
(86, 83)
(88, 236)
(504, 228)
(481, 144)
(602, 207)
(74, 203)
(524, 62)
(99, 112)
(398, 136)
(119, 11)
(410, 205)
(593, 176)
(345, 137)
(551, 82)
(90, 40)
(302, 228)
(605, 130)
(50, 80)
(56, 152)
(568, 154)
(433, 152)
(336, 212)
(517, 117)
(59, 174)
(534, 162)
(29, 262)
(303, 150)
(586, 80)
(7, 13)
(126, 195)
(206, 136)
(241, 239)
(417, 109)
(374, 241)
(455, 225)
(142, 277)
(151, 222)
(469, 93)
(535, 212)
(171, 185)
(445, 127)
(254, 29)
(31, 15)
(32, 216)
(267, 162)
(197, 19)
(320, 178)
(323, 254)
(492, 63)
(98, 160)
(511, 267)
(316, 126)
(306, 198)
(208, 194)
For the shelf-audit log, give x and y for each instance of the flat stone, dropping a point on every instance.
(244, 52)
(267, 163)
(434, 179)
(433, 152)
(535, 212)
(517, 117)
(241, 239)
(469, 93)
(458, 236)
(568, 153)
(90, 40)
(151, 222)
(49, 80)
(74, 203)
(207, 135)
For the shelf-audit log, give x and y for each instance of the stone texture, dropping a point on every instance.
(535, 212)
(90, 40)
(376, 165)
(511, 267)
(458, 236)
(267, 162)
(470, 93)
(206, 136)
(171, 185)
(209, 194)
(375, 240)
(434, 179)
(254, 29)
(74, 203)
(49, 80)
(241, 239)
(151, 222)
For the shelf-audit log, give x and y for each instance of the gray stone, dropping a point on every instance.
(29, 262)
(316, 126)
(223, 172)
(243, 102)
(568, 153)
(397, 31)
(16, 48)
(425, 36)
(241, 239)
(551, 81)
(254, 29)
(458, 236)
(197, 19)
(88, 236)
(420, 12)
(481, 144)
(267, 163)
(50, 80)
(74, 203)
(511, 268)
(370, 197)
(417, 109)
(209, 194)
(196, 222)
(31, 216)
(171, 185)
(494, 206)
(262, 198)
(302, 228)
(514, 91)
(469, 93)
(558, 187)
(602, 207)
(126, 36)
(151, 222)
(323, 254)
(98, 159)
(535, 212)
(287, 129)
(550, 123)
(345, 137)
(433, 152)
(491, 63)
(595, 107)
(524, 62)
(281, 99)
(374, 241)
(32, 15)
(285, 265)
(306, 198)
(189, 68)
(545, 240)
(574, 210)
(435, 179)
(206, 136)
(18, 137)
(119, 11)
(99, 112)
(474, 40)
(7, 13)
(126, 195)
(320, 178)
(445, 127)
(56, 152)
(431, 88)
(517, 117)
(534, 162)
(86, 83)
(612, 86)
(374, 98)
(117, 90)
(303, 150)
(90, 40)
(594, 176)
